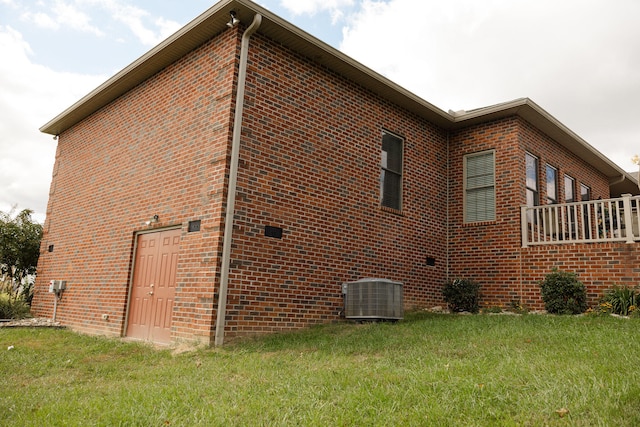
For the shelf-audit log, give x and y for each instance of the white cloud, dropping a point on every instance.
(62, 14)
(42, 20)
(67, 14)
(311, 7)
(577, 59)
(77, 15)
(148, 30)
(166, 27)
(31, 95)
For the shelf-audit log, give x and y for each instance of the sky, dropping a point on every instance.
(578, 59)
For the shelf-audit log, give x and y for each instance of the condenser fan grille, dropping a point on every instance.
(373, 299)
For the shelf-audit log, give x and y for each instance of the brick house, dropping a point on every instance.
(236, 176)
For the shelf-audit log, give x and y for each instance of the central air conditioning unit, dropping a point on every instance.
(373, 298)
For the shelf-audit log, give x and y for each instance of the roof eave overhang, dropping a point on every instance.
(620, 181)
(164, 54)
(213, 22)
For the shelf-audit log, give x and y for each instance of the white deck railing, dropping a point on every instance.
(611, 220)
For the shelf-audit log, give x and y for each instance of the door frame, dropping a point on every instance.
(136, 234)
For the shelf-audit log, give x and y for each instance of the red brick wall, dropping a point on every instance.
(310, 164)
(490, 252)
(159, 149)
(598, 265)
(549, 152)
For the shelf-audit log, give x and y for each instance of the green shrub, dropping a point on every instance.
(620, 300)
(26, 292)
(462, 295)
(13, 308)
(563, 293)
(516, 306)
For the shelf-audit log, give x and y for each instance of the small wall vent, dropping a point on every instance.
(373, 298)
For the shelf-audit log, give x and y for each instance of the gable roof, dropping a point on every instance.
(214, 20)
(620, 182)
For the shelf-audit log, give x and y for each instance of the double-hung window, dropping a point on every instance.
(532, 180)
(533, 194)
(585, 193)
(552, 185)
(479, 187)
(569, 189)
(391, 172)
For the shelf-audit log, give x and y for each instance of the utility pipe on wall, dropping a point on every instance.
(55, 306)
(233, 179)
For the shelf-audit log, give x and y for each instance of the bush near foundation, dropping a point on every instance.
(621, 300)
(563, 293)
(462, 295)
(13, 307)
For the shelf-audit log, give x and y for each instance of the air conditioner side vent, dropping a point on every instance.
(373, 298)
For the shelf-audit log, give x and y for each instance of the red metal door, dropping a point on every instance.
(153, 286)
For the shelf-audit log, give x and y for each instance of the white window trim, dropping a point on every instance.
(464, 186)
(536, 191)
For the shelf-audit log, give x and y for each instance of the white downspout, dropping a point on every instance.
(447, 241)
(233, 178)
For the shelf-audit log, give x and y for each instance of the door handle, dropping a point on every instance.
(151, 291)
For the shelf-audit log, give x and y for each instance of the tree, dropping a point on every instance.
(19, 251)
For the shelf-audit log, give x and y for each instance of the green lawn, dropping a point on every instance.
(429, 369)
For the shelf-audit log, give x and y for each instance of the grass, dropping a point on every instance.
(427, 370)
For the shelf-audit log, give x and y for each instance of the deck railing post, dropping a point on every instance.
(524, 226)
(593, 221)
(628, 221)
